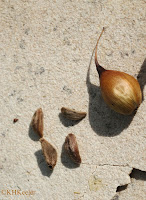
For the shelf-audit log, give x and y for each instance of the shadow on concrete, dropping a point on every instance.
(66, 160)
(34, 136)
(42, 164)
(103, 120)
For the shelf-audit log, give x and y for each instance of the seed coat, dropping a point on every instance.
(72, 114)
(72, 149)
(49, 152)
(37, 122)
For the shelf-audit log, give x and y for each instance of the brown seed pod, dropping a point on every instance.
(120, 91)
(49, 152)
(37, 122)
(71, 147)
(72, 114)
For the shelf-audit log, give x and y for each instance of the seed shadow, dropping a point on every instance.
(103, 120)
(42, 164)
(66, 160)
(34, 136)
(67, 122)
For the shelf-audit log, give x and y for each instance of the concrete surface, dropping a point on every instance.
(45, 51)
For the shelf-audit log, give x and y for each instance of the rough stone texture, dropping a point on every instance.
(45, 51)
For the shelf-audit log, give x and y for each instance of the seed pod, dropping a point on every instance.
(37, 122)
(72, 114)
(71, 147)
(119, 90)
(49, 152)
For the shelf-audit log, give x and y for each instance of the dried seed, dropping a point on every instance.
(71, 147)
(15, 120)
(49, 152)
(37, 122)
(72, 114)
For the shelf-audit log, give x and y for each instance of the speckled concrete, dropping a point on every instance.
(45, 52)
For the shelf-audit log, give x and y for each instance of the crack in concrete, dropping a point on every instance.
(138, 174)
(115, 165)
(106, 164)
(134, 174)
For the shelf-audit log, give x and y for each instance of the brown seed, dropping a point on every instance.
(37, 122)
(15, 120)
(72, 114)
(49, 152)
(71, 147)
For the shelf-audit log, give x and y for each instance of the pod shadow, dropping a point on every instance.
(103, 120)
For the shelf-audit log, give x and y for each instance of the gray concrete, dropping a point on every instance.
(45, 51)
